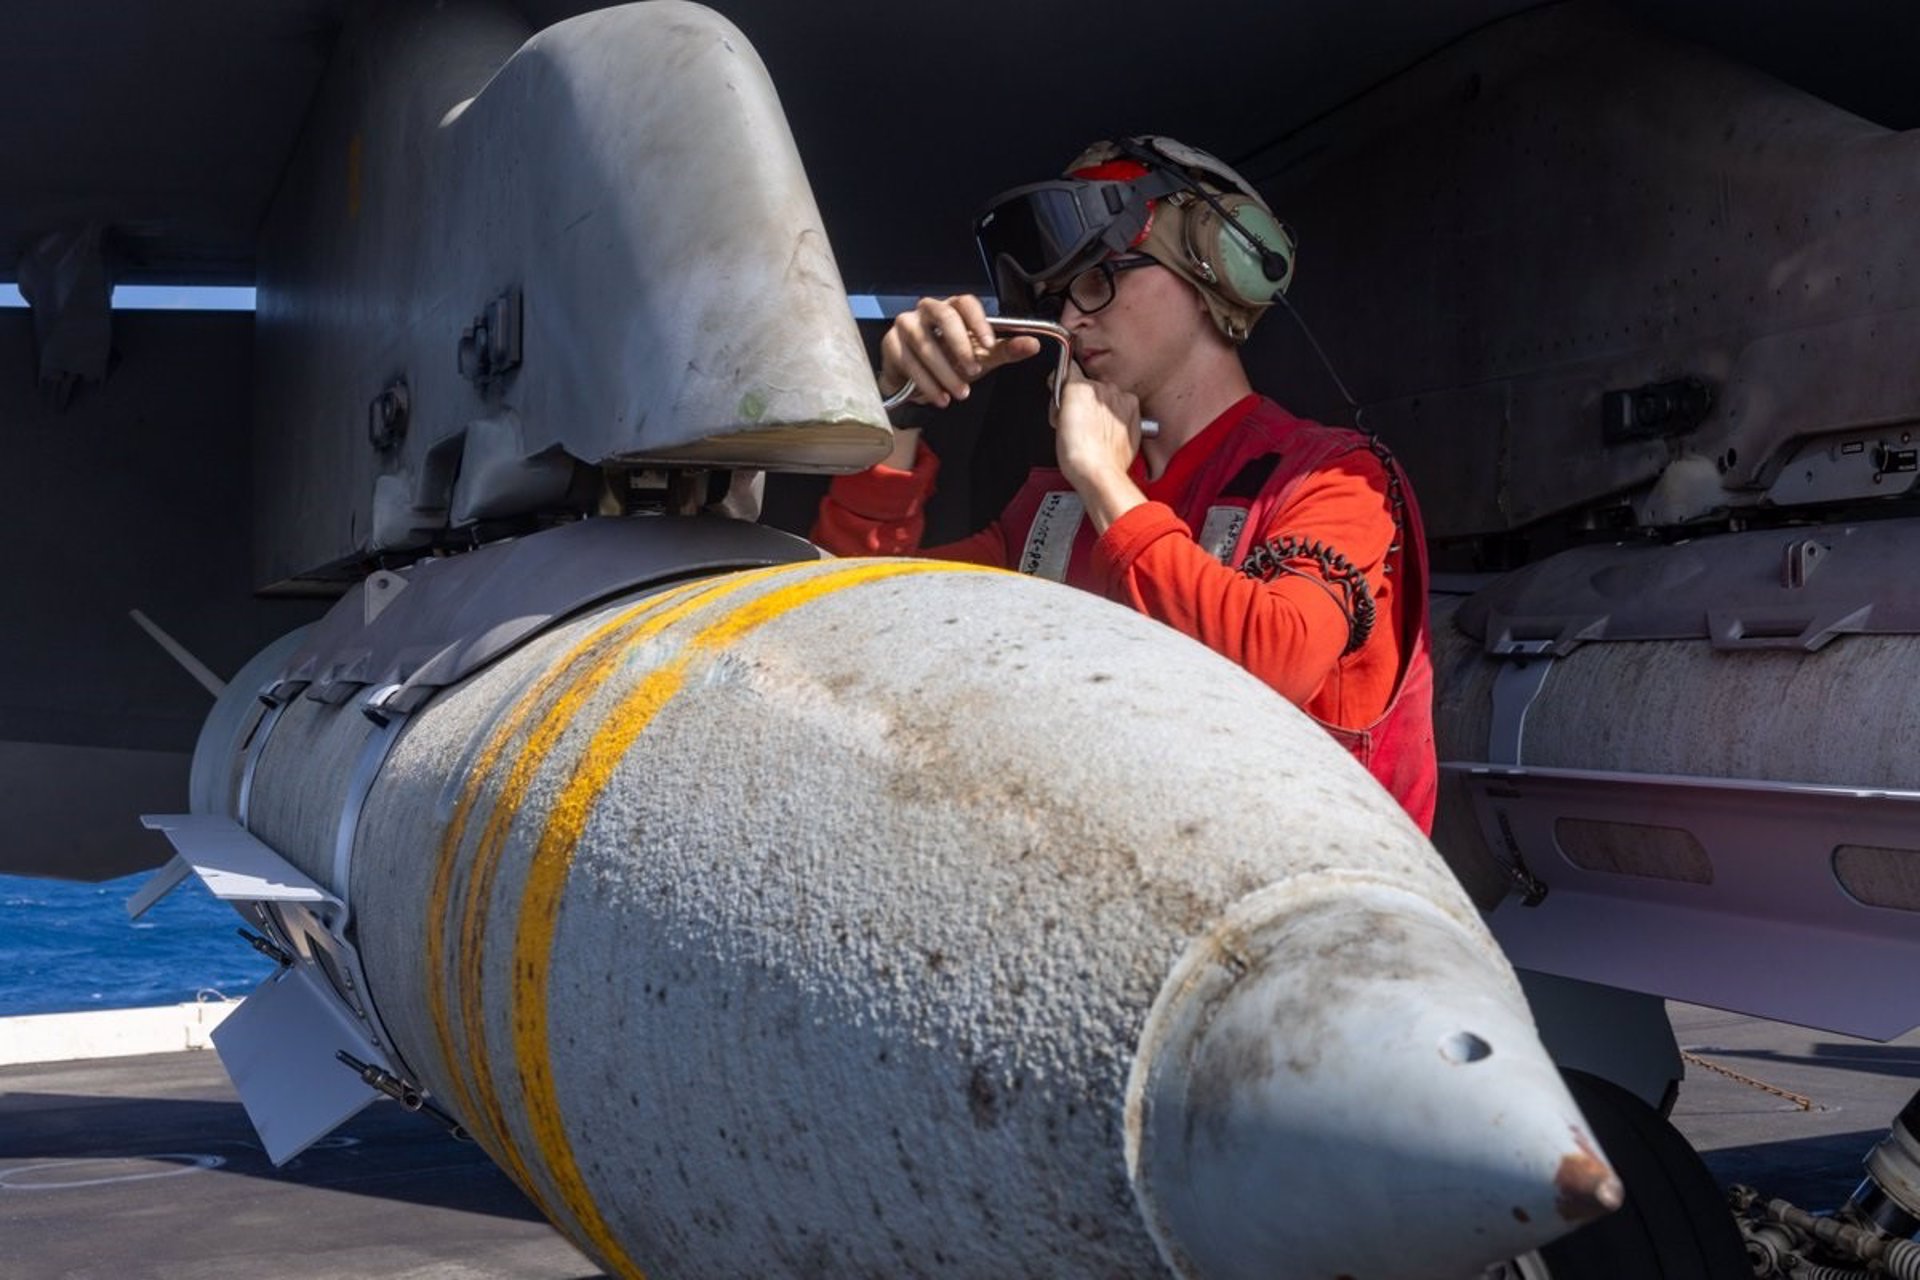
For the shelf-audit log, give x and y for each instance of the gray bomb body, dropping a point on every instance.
(819, 919)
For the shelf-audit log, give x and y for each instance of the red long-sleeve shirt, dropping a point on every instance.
(1290, 631)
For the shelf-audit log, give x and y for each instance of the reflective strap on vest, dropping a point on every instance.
(1050, 538)
(1221, 533)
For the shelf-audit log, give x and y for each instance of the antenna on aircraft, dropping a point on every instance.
(199, 670)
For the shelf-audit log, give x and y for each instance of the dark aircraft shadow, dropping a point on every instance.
(384, 1151)
(1880, 1059)
(1816, 1173)
(386, 1180)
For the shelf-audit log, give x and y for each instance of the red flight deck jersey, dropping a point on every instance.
(1256, 474)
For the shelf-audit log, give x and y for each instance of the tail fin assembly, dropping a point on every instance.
(594, 255)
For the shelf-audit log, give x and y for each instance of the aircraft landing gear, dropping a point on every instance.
(1675, 1224)
(1872, 1234)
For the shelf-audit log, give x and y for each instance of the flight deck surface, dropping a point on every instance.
(1812, 1155)
(106, 1173)
(107, 1167)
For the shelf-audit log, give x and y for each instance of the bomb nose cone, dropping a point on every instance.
(1340, 1079)
(1588, 1188)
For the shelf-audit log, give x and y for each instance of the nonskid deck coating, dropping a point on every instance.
(391, 1195)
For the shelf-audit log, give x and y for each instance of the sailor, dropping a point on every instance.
(1291, 548)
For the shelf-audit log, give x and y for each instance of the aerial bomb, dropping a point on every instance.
(888, 917)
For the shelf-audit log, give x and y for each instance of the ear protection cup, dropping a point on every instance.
(1213, 231)
(1221, 254)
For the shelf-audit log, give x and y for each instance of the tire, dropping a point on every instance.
(1675, 1224)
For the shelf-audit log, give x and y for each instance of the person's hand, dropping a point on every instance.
(945, 345)
(1098, 428)
(1097, 434)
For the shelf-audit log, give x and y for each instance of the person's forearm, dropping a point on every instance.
(1108, 496)
(906, 447)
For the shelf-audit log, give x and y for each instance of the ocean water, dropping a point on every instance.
(70, 946)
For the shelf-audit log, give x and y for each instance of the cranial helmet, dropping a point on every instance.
(1188, 210)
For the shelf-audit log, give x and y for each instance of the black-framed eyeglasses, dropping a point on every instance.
(1090, 290)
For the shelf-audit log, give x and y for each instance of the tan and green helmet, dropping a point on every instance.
(1214, 230)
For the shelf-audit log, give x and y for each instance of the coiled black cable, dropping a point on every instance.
(1355, 598)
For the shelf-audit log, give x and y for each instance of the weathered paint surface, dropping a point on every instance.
(631, 174)
(1730, 805)
(1333, 1048)
(1587, 205)
(817, 920)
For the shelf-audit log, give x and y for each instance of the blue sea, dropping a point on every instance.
(70, 946)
